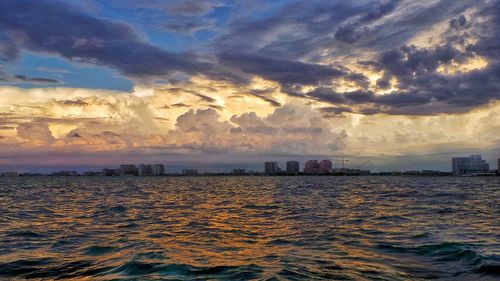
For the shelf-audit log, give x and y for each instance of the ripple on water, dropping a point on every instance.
(26, 234)
(138, 268)
(99, 250)
(266, 228)
(47, 268)
(455, 254)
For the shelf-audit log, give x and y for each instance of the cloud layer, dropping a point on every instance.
(362, 77)
(64, 29)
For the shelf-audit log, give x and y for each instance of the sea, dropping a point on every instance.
(250, 228)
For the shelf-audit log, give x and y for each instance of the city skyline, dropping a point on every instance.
(223, 84)
(460, 165)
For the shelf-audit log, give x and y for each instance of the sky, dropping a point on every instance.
(215, 84)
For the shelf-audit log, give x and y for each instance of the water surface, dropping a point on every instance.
(245, 228)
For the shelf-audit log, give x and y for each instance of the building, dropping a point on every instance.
(239, 172)
(318, 168)
(9, 174)
(190, 172)
(65, 174)
(311, 167)
(325, 167)
(358, 172)
(111, 172)
(271, 168)
(158, 169)
(473, 164)
(127, 169)
(292, 167)
(144, 170)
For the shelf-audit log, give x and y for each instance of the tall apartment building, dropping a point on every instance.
(271, 168)
(190, 172)
(315, 167)
(325, 167)
(292, 167)
(469, 165)
(128, 170)
(158, 169)
(145, 170)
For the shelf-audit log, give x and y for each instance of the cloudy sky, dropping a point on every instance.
(218, 83)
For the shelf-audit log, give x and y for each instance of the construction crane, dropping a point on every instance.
(341, 160)
(359, 166)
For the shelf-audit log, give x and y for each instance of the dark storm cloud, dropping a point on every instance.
(411, 22)
(318, 18)
(179, 17)
(380, 11)
(384, 82)
(300, 44)
(422, 88)
(349, 34)
(346, 28)
(8, 49)
(352, 32)
(309, 27)
(428, 94)
(328, 95)
(60, 28)
(408, 61)
(280, 70)
(489, 46)
(429, 91)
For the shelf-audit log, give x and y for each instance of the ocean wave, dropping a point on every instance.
(266, 228)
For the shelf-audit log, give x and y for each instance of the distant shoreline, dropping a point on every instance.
(256, 175)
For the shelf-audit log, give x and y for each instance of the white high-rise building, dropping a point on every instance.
(473, 164)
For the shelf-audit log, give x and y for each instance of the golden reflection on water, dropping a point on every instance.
(326, 227)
